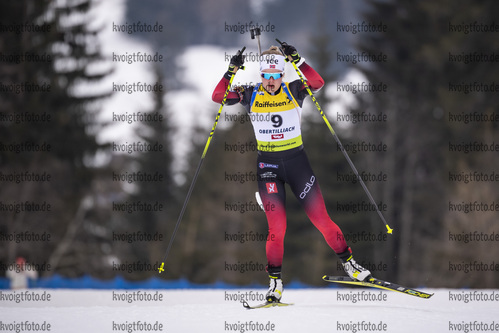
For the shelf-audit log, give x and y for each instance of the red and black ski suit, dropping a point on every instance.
(288, 163)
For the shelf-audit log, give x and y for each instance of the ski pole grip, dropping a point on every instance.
(287, 58)
(240, 52)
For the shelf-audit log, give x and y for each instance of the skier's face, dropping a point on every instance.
(271, 79)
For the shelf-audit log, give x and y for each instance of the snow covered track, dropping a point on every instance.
(220, 310)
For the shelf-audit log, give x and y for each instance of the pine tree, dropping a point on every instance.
(418, 72)
(62, 50)
(157, 192)
(464, 70)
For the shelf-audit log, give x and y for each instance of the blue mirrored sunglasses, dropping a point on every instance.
(275, 76)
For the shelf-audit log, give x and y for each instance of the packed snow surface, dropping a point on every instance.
(216, 310)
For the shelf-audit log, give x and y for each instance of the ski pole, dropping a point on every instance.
(389, 230)
(191, 187)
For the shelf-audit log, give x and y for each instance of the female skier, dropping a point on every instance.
(275, 109)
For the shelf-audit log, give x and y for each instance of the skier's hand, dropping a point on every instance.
(236, 62)
(290, 53)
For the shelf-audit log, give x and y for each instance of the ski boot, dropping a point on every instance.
(352, 268)
(275, 286)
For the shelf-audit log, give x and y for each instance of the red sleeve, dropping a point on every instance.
(314, 80)
(219, 92)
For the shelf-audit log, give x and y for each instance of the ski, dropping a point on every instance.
(377, 283)
(264, 305)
